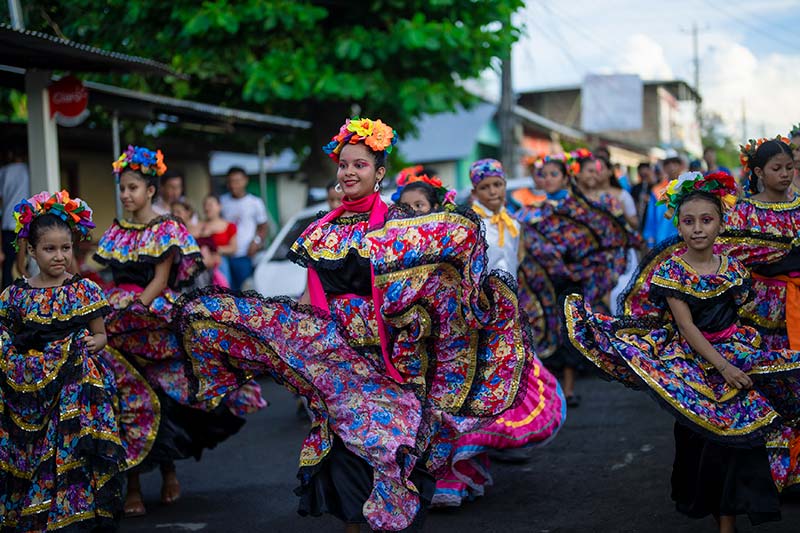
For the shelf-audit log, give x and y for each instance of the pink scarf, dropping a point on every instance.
(377, 209)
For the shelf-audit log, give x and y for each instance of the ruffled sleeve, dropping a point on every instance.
(327, 245)
(126, 242)
(670, 280)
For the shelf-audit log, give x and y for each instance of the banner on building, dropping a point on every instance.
(612, 102)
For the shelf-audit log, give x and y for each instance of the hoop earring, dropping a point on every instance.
(377, 186)
(338, 188)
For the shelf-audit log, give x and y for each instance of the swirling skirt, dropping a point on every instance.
(60, 445)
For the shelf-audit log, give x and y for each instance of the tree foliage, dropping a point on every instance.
(318, 60)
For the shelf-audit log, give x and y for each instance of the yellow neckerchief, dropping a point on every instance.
(502, 220)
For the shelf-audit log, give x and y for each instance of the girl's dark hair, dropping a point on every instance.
(426, 189)
(763, 154)
(560, 164)
(583, 160)
(211, 195)
(701, 195)
(42, 223)
(613, 181)
(146, 178)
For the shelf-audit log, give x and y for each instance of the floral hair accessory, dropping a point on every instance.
(74, 211)
(146, 161)
(485, 168)
(378, 137)
(747, 152)
(417, 173)
(538, 162)
(719, 184)
(795, 131)
(573, 161)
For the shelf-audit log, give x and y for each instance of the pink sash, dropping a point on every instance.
(377, 209)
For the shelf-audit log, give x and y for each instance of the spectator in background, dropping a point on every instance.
(15, 186)
(641, 191)
(222, 233)
(710, 157)
(171, 189)
(250, 216)
(656, 227)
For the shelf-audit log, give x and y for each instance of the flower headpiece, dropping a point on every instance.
(379, 137)
(574, 159)
(748, 152)
(719, 184)
(795, 131)
(485, 168)
(146, 161)
(445, 196)
(74, 211)
(538, 162)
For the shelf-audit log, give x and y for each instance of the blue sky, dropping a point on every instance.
(749, 51)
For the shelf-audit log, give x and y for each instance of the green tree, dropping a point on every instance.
(715, 136)
(318, 60)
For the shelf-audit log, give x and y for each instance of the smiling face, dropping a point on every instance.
(53, 251)
(777, 173)
(491, 192)
(699, 223)
(357, 173)
(553, 180)
(588, 177)
(134, 192)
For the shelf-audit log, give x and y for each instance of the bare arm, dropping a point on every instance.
(305, 299)
(96, 340)
(683, 317)
(159, 281)
(258, 241)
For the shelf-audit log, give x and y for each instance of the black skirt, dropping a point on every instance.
(711, 479)
(185, 432)
(342, 482)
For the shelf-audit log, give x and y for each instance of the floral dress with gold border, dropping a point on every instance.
(766, 237)
(146, 337)
(70, 421)
(645, 351)
(570, 245)
(454, 344)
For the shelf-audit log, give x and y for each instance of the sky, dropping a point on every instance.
(748, 49)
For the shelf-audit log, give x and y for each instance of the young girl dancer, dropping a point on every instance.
(696, 359)
(521, 427)
(762, 232)
(571, 245)
(393, 351)
(63, 442)
(151, 258)
(421, 192)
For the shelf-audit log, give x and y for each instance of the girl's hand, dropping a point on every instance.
(735, 377)
(94, 343)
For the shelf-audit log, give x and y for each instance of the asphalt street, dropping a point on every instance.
(607, 471)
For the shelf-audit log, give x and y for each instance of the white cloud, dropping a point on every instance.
(643, 56)
(732, 75)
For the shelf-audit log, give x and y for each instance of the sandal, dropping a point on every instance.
(134, 505)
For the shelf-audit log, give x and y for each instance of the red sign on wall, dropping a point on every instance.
(68, 101)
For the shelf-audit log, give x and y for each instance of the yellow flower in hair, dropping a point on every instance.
(363, 127)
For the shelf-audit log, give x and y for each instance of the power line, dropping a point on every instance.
(746, 23)
(577, 29)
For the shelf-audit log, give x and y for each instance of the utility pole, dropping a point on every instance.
(15, 11)
(506, 120)
(696, 61)
(744, 121)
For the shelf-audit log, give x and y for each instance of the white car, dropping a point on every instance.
(274, 274)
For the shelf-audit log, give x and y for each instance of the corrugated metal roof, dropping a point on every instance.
(447, 136)
(32, 49)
